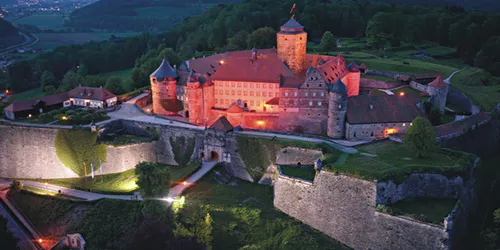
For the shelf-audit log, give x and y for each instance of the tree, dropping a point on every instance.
(328, 42)
(114, 85)
(6, 237)
(70, 81)
(153, 180)
(238, 41)
(82, 69)
(47, 79)
(420, 137)
(262, 38)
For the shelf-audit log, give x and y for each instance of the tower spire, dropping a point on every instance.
(292, 9)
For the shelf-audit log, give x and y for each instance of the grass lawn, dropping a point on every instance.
(469, 82)
(307, 174)
(407, 90)
(434, 209)
(123, 74)
(447, 118)
(394, 161)
(119, 183)
(380, 78)
(30, 94)
(179, 174)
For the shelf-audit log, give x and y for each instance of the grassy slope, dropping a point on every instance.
(394, 161)
(380, 78)
(468, 82)
(303, 173)
(52, 40)
(27, 95)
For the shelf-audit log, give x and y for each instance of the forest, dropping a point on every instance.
(8, 34)
(253, 23)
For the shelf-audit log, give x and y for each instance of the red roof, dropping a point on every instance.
(266, 68)
(330, 67)
(98, 94)
(234, 109)
(222, 124)
(274, 101)
(438, 82)
(28, 104)
(366, 109)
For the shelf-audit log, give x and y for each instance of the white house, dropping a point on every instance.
(90, 97)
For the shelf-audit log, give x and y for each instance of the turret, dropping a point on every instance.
(438, 90)
(163, 86)
(337, 109)
(194, 98)
(291, 41)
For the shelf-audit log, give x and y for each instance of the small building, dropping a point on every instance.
(404, 79)
(28, 108)
(379, 116)
(90, 97)
(362, 68)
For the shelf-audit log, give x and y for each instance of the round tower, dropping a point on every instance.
(194, 94)
(337, 109)
(438, 90)
(163, 87)
(291, 43)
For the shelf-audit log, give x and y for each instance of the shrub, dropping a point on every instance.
(76, 149)
(183, 149)
(153, 179)
(421, 137)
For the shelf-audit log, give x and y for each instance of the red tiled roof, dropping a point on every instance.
(28, 104)
(234, 109)
(291, 81)
(222, 124)
(330, 67)
(438, 82)
(274, 101)
(267, 68)
(385, 109)
(98, 94)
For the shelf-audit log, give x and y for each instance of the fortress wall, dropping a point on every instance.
(122, 158)
(459, 100)
(27, 152)
(344, 208)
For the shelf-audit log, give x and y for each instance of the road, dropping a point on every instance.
(300, 138)
(178, 189)
(26, 43)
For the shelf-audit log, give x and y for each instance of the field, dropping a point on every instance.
(470, 82)
(434, 209)
(27, 95)
(44, 21)
(391, 160)
(52, 40)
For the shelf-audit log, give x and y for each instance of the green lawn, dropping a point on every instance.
(27, 95)
(434, 209)
(123, 74)
(179, 174)
(307, 174)
(470, 82)
(380, 78)
(394, 161)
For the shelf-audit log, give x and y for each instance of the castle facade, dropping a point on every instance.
(283, 89)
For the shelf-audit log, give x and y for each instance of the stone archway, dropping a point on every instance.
(214, 156)
(186, 114)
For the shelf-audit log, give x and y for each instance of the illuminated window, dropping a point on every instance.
(314, 94)
(404, 124)
(264, 94)
(322, 93)
(264, 86)
(286, 93)
(319, 103)
(294, 93)
(305, 94)
(310, 103)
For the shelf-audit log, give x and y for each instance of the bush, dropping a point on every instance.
(153, 179)
(421, 137)
(183, 149)
(76, 149)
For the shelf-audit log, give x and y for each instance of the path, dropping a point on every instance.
(387, 91)
(448, 80)
(205, 168)
(300, 138)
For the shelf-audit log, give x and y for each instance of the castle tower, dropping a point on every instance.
(337, 109)
(291, 43)
(438, 90)
(164, 87)
(195, 99)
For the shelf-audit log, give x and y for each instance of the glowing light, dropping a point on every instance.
(390, 131)
(260, 123)
(64, 118)
(184, 183)
(40, 240)
(404, 124)
(149, 110)
(29, 116)
(221, 62)
(401, 93)
(46, 183)
(6, 91)
(169, 199)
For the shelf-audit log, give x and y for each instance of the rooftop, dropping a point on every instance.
(222, 124)
(164, 71)
(29, 104)
(89, 93)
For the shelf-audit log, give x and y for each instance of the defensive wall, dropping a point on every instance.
(344, 208)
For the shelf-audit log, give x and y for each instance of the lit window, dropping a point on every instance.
(305, 94)
(404, 124)
(264, 94)
(257, 85)
(314, 94)
(294, 93)
(286, 93)
(322, 93)
(310, 103)
(340, 106)
(264, 86)
(319, 103)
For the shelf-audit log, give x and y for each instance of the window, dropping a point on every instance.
(314, 94)
(258, 103)
(251, 93)
(286, 93)
(319, 103)
(264, 94)
(257, 93)
(232, 92)
(310, 103)
(404, 124)
(305, 94)
(251, 85)
(239, 84)
(264, 86)
(322, 93)
(227, 92)
(307, 85)
(320, 84)
(257, 85)
(308, 114)
(372, 134)
(232, 84)
(216, 101)
(245, 93)
(277, 94)
(245, 85)
(227, 84)
(354, 135)
(294, 93)
(340, 106)
(271, 94)
(251, 102)
(319, 115)
(227, 101)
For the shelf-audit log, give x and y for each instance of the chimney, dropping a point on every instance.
(315, 61)
(371, 106)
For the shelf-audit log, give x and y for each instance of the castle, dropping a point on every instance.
(283, 89)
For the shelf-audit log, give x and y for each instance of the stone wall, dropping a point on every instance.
(459, 100)
(419, 86)
(377, 130)
(344, 208)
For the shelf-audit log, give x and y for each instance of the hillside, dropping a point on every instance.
(138, 15)
(7, 2)
(484, 5)
(8, 34)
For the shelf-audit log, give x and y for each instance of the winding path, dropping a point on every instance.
(26, 43)
(448, 80)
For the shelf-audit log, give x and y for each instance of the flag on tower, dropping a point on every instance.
(92, 167)
(293, 8)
